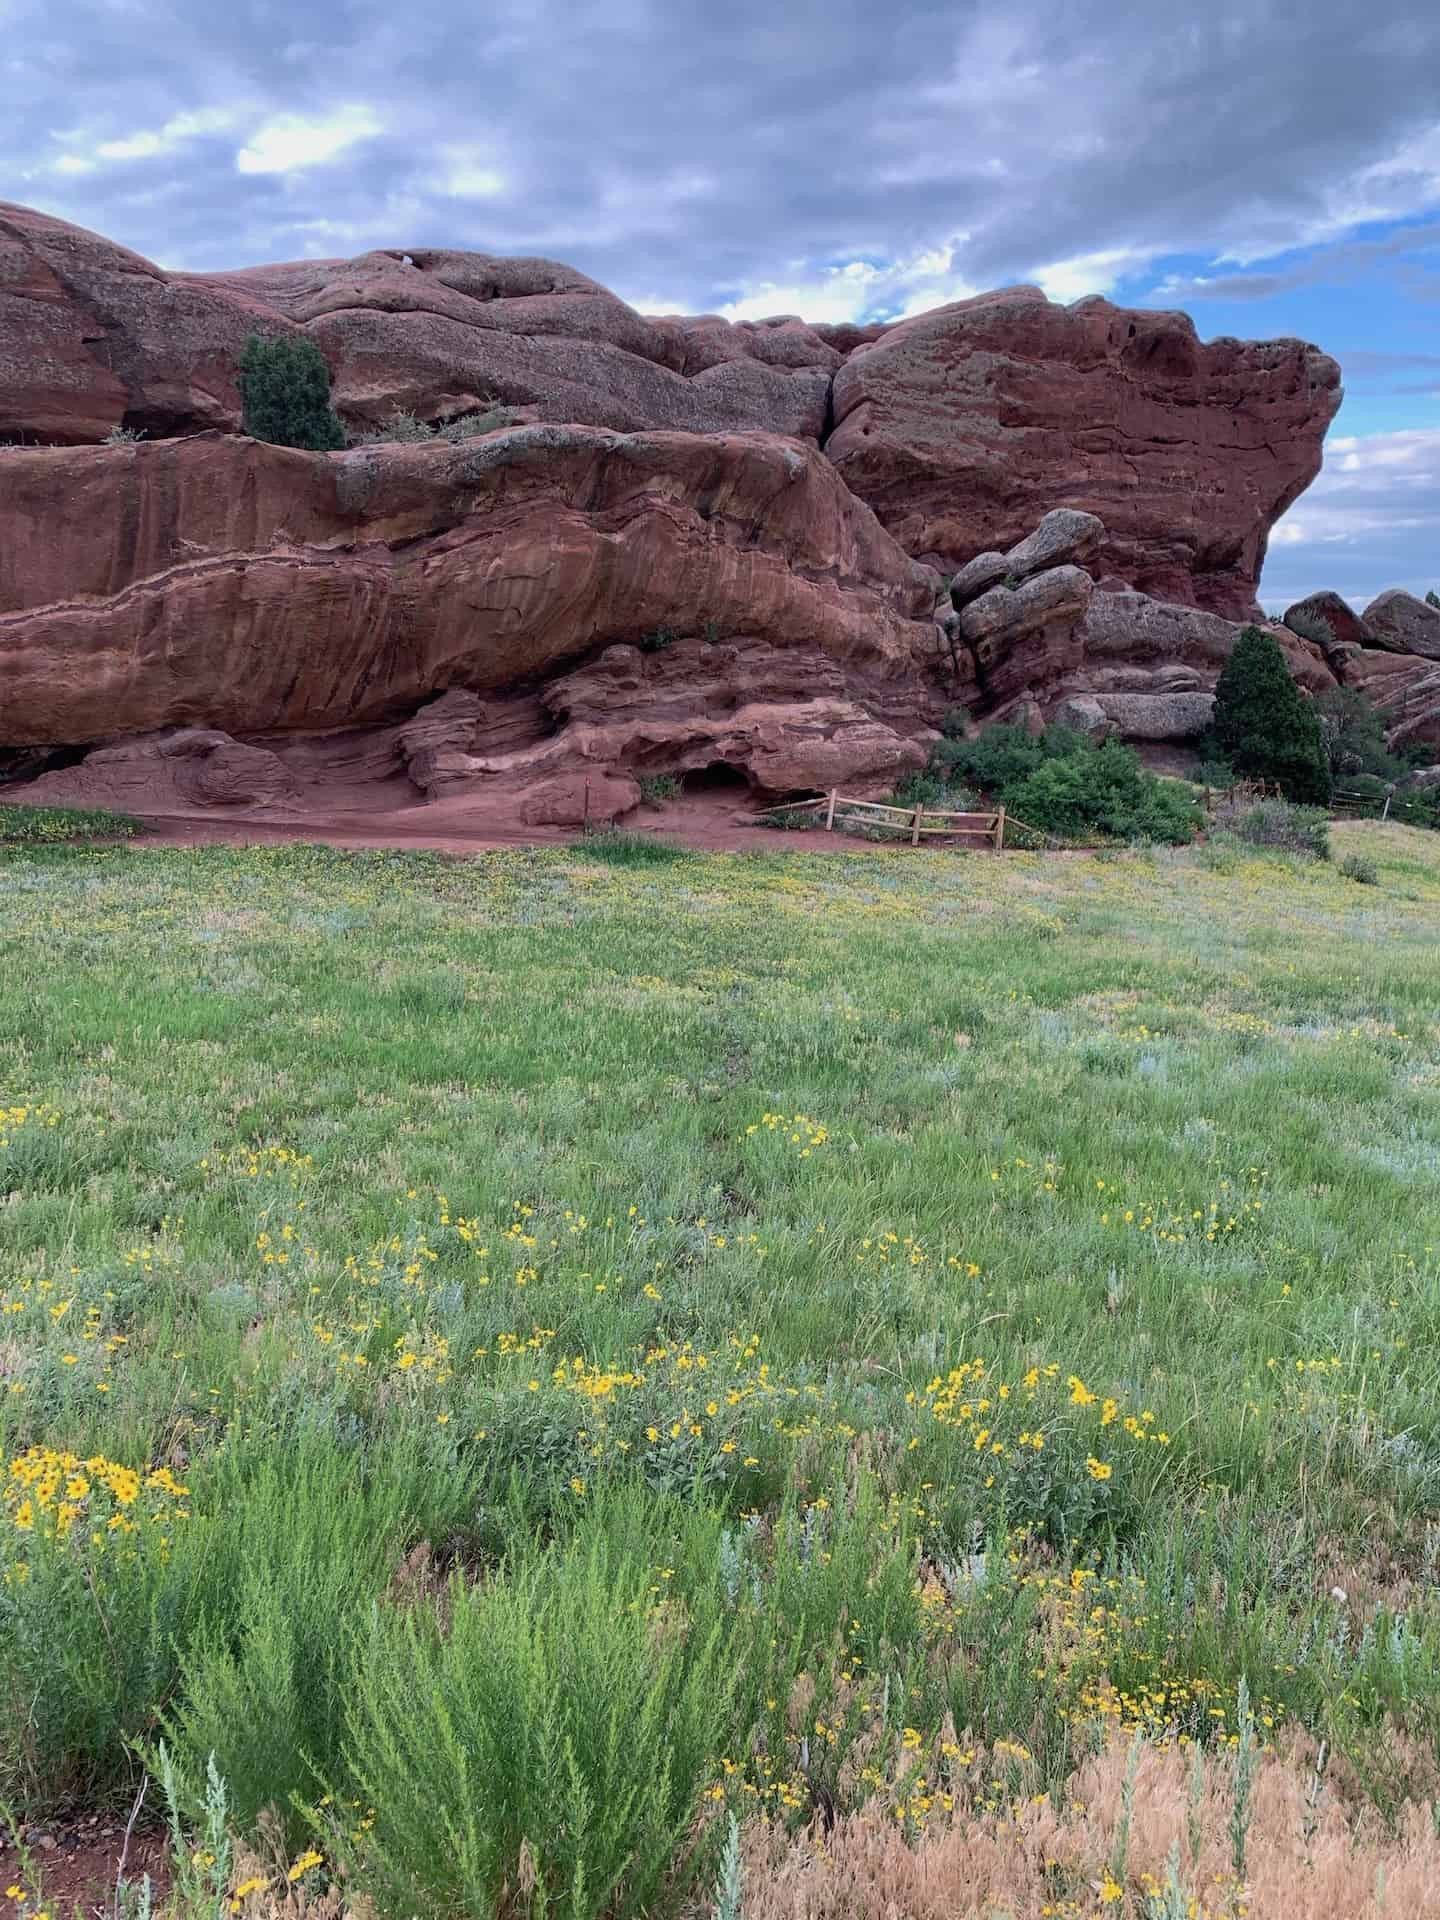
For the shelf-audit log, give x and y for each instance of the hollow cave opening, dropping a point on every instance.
(718, 777)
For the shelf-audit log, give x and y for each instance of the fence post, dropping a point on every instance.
(915, 827)
(1000, 831)
(830, 813)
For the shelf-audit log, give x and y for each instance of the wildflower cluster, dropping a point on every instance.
(795, 1130)
(49, 1494)
(32, 1115)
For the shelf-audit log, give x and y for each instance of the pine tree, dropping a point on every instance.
(1264, 726)
(285, 391)
(1432, 599)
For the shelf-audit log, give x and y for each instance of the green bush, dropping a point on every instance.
(659, 787)
(1215, 772)
(1060, 781)
(930, 789)
(1354, 737)
(314, 1534)
(285, 392)
(999, 757)
(88, 1638)
(1360, 868)
(1263, 724)
(1278, 823)
(657, 639)
(544, 1750)
(1432, 599)
(1104, 789)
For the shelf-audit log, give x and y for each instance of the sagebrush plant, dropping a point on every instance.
(657, 788)
(404, 428)
(285, 393)
(1310, 625)
(317, 1532)
(1278, 823)
(547, 1746)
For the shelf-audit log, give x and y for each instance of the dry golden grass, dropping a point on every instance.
(1311, 1853)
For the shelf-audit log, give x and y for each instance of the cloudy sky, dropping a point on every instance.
(1272, 168)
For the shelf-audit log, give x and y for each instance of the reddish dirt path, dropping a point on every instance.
(707, 823)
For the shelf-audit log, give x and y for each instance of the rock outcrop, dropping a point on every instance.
(961, 425)
(700, 545)
(223, 583)
(1402, 624)
(1328, 620)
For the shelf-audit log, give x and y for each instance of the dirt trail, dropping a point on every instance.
(706, 822)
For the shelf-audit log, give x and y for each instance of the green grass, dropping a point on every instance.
(47, 825)
(704, 1242)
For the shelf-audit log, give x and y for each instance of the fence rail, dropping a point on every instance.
(1241, 794)
(919, 822)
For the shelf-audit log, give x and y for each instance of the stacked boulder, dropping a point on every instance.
(1049, 643)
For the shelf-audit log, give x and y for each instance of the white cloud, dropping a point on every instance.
(860, 289)
(1371, 520)
(290, 142)
(1085, 273)
(468, 173)
(145, 143)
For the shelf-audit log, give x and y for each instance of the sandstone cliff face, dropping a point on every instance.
(223, 583)
(960, 427)
(957, 425)
(703, 544)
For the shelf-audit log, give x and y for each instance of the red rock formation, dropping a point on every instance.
(962, 426)
(237, 625)
(225, 583)
(93, 336)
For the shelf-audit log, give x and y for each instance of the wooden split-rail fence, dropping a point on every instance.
(915, 823)
(1241, 794)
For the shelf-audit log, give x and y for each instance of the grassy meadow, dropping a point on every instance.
(572, 1383)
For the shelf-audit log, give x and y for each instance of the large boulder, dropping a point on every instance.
(1158, 716)
(1025, 638)
(1126, 630)
(1329, 621)
(961, 426)
(1403, 688)
(1402, 624)
(1061, 538)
